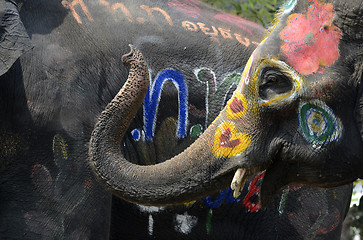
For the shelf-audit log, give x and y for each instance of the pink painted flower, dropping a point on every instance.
(311, 42)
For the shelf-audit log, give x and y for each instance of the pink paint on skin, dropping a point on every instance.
(237, 21)
(188, 7)
(310, 41)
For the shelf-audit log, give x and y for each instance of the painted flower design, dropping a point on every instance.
(228, 142)
(310, 42)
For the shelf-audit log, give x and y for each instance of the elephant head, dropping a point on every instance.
(296, 113)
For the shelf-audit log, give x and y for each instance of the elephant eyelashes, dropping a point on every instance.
(273, 83)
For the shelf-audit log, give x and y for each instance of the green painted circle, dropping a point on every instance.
(318, 123)
(196, 130)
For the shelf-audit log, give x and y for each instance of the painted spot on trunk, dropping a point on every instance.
(237, 106)
(318, 123)
(310, 42)
(228, 142)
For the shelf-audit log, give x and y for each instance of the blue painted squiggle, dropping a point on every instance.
(152, 99)
(224, 195)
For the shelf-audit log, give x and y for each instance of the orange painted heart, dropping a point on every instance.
(227, 142)
(236, 106)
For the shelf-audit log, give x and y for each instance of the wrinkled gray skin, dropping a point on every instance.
(278, 143)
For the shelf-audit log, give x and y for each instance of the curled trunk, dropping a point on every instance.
(194, 173)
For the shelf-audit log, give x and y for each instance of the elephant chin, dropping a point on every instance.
(275, 178)
(281, 173)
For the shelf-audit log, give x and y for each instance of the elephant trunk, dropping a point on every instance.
(194, 173)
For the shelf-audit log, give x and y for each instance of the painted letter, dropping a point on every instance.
(206, 30)
(253, 191)
(151, 10)
(189, 26)
(245, 42)
(116, 6)
(226, 33)
(70, 6)
(152, 99)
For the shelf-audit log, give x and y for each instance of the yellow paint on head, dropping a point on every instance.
(297, 82)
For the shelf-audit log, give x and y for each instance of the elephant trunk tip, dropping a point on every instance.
(128, 57)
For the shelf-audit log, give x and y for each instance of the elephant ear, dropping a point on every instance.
(14, 40)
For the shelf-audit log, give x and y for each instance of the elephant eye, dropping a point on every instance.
(273, 83)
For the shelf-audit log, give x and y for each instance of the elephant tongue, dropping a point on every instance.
(238, 182)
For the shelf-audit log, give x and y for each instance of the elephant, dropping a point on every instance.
(296, 113)
(61, 64)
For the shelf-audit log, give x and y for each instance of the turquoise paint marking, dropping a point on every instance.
(289, 6)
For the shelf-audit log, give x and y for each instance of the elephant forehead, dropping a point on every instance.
(306, 38)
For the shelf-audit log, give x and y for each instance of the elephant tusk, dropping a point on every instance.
(238, 182)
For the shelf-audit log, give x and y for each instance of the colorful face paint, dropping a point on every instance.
(318, 123)
(236, 106)
(310, 42)
(297, 82)
(227, 142)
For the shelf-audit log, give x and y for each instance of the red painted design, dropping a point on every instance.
(228, 141)
(331, 222)
(225, 139)
(188, 7)
(311, 42)
(253, 189)
(236, 105)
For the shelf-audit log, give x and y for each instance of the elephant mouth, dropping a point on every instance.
(243, 173)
